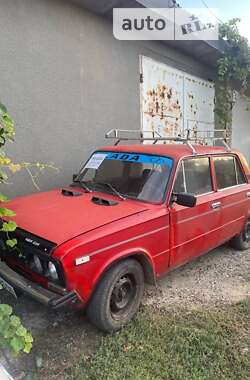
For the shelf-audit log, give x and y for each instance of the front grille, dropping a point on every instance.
(21, 257)
(27, 240)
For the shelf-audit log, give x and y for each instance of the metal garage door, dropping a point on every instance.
(173, 101)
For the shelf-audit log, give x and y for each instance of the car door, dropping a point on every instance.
(233, 195)
(194, 230)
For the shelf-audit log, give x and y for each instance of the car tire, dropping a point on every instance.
(117, 297)
(242, 242)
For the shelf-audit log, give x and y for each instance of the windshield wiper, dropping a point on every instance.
(112, 188)
(83, 185)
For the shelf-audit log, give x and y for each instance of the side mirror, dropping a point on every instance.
(185, 199)
(74, 177)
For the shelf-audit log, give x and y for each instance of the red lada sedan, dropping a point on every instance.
(132, 214)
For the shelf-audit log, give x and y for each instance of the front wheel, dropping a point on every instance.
(242, 241)
(117, 297)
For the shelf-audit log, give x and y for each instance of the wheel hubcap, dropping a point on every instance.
(122, 295)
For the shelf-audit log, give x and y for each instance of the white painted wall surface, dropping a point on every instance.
(241, 127)
(66, 81)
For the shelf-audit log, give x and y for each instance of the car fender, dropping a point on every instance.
(99, 271)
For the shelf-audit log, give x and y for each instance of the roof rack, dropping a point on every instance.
(191, 136)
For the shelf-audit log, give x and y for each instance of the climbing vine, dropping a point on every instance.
(13, 335)
(233, 71)
(7, 133)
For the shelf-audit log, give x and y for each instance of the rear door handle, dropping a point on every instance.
(248, 194)
(216, 205)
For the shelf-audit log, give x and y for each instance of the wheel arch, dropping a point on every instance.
(147, 267)
(143, 259)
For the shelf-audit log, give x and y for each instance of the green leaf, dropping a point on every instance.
(9, 227)
(3, 109)
(27, 348)
(11, 242)
(6, 212)
(28, 338)
(9, 333)
(9, 124)
(5, 310)
(15, 321)
(3, 198)
(16, 344)
(21, 331)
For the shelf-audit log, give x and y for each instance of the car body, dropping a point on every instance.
(87, 234)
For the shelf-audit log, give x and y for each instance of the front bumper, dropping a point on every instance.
(44, 296)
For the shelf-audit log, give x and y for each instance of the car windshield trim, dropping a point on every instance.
(166, 163)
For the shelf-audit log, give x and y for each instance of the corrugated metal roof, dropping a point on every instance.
(206, 52)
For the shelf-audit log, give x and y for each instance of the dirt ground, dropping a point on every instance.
(61, 338)
(215, 279)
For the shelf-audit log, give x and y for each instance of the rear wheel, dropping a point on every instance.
(118, 296)
(242, 241)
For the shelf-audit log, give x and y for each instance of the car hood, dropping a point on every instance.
(58, 218)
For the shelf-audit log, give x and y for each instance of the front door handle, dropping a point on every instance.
(248, 194)
(216, 205)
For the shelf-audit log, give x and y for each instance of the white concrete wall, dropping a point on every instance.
(241, 127)
(66, 80)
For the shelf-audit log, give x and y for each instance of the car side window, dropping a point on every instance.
(239, 173)
(194, 176)
(228, 172)
(179, 186)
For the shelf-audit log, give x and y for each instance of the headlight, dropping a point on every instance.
(52, 271)
(36, 264)
(43, 267)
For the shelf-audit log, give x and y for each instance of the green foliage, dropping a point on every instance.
(7, 132)
(233, 70)
(174, 345)
(235, 64)
(13, 334)
(6, 212)
(3, 198)
(9, 226)
(11, 243)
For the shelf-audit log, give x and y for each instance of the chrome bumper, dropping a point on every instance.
(44, 296)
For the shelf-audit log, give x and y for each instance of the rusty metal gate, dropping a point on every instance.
(173, 101)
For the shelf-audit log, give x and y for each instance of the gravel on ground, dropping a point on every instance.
(216, 279)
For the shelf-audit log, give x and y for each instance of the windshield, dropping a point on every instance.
(128, 175)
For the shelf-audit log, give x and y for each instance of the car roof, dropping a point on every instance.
(175, 151)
